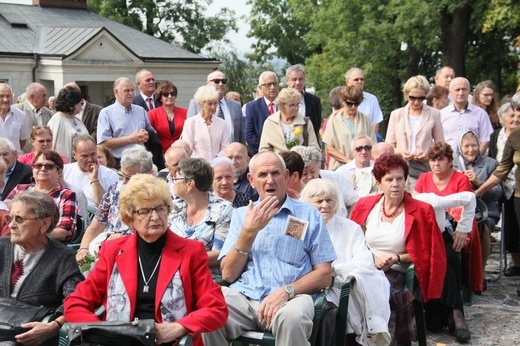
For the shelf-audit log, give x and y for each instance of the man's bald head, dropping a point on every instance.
(382, 148)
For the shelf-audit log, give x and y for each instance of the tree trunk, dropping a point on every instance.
(454, 34)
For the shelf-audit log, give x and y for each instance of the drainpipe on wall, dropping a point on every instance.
(36, 65)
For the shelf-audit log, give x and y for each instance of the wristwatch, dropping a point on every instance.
(290, 291)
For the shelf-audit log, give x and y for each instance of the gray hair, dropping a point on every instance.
(82, 137)
(120, 80)
(171, 150)
(294, 68)
(266, 74)
(3, 169)
(5, 85)
(515, 101)
(439, 71)
(199, 170)
(502, 111)
(253, 159)
(222, 160)
(138, 74)
(206, 93)
(359, 137)
(321, 187)
(41, 205)
(33, 89)
(286, 95)
(137, 155)
(351, 70)
(308, 154)
(7, 143)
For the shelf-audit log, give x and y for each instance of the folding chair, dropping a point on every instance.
(341, 318)
(418, 307)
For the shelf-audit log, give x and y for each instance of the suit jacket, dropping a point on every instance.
(237, 117)
(493, 149)
(159, 121)
(46, 115)
(206, 307)
(430, 130)
(90, 117)
(256, 113)
(22, 174)
(313, 111)
(138, 100)
(423, 241)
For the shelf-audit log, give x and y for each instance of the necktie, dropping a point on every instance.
(150, 104)
(220, 112)
(271, 108)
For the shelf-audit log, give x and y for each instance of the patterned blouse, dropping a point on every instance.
(64, 198)
(212, 231)
(108, 210)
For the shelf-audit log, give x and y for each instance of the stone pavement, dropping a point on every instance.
(494, 317)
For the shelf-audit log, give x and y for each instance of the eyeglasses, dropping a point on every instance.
(123, 176)
(48, 166)
(292, 105)
(352, 104)
(171, 93)
(19, 219)
(269, 85)
(415, 99)
(363, 147)
(219, 80)
(146, 212)
(42, 141)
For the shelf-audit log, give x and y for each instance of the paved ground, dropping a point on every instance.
(493, 317)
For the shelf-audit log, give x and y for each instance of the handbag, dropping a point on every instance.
(138, 332)
(14, 313)
(416, 168)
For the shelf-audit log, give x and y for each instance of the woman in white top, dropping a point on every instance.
(64, 124)
(369, 308)
(206, 133)
(414, 127)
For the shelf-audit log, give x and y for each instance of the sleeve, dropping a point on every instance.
(506, 164)
(252, 138)
(24, 131)
(187, 132)
(312, 140)
(104, 205)
(104, 130)
(210, 311)
(464, 184)
(222, 227)
(437, 258)
(192, 109)
(420, 184)
(438, 130)
(329, 133)
(69, 276)
(390, 130)
(485, 128)
(267, 132)
(68, 211)
(224, 141)
(235, 227)
(378, 114)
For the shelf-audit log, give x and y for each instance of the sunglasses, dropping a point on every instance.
(171, 93)
(218, 80)
(42, 141)
(19, 219)
(352, 104)
(363, 147)
(414, 99)
(48, 166)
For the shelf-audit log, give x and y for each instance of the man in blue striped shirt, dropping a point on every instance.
(277, 254)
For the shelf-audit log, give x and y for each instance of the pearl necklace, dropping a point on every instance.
(390, 216)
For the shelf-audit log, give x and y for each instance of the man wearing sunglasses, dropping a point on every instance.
(227, 109)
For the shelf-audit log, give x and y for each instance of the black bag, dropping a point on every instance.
(138, 332)
(14, 313)
(416, 168)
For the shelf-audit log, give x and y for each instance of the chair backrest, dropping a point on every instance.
(481, 212)
(341, 316)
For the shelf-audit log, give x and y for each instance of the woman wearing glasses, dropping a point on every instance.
(35, 269)
(287, 128)
(64, 123)
(167, 120)
(151, 274)
(485, 97)
(345, 124)
(47, 172)
(414, 127)
(41, 139)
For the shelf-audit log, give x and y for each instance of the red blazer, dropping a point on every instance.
(423, 241)
(159, 121)
(207, 309)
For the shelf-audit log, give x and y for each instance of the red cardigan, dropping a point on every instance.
(159, 121)
(207, 309)
(423, 241)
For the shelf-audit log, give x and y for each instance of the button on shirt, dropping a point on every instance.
(456, 123)
(14, 127)
(116, 121)
(276, 258)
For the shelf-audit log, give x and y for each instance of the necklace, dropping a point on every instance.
(389, 216)
(146, 287)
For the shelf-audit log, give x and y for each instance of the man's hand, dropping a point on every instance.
(93, 169)
(271, 304)
(37, 333)
(139, 136)
(459, 240)
(258, 217)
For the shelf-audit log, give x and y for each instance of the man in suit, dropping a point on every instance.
(17, 172)
(310, 105)
(258, 110)
(34, 109)
(89, 113)
(227, 109)
(145, 82)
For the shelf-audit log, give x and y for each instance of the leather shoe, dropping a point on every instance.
(512, 271)
(462, 335)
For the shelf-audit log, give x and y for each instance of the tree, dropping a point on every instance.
(175, 21)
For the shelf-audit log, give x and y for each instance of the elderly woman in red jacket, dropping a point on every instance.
(400, 230)
(152, 274)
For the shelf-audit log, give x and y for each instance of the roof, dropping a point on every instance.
(61, 32)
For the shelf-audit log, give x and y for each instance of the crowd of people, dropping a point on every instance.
(227, 217)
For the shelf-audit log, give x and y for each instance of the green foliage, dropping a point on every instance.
(181, 22)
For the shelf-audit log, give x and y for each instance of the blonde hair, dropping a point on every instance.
(419, 82)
